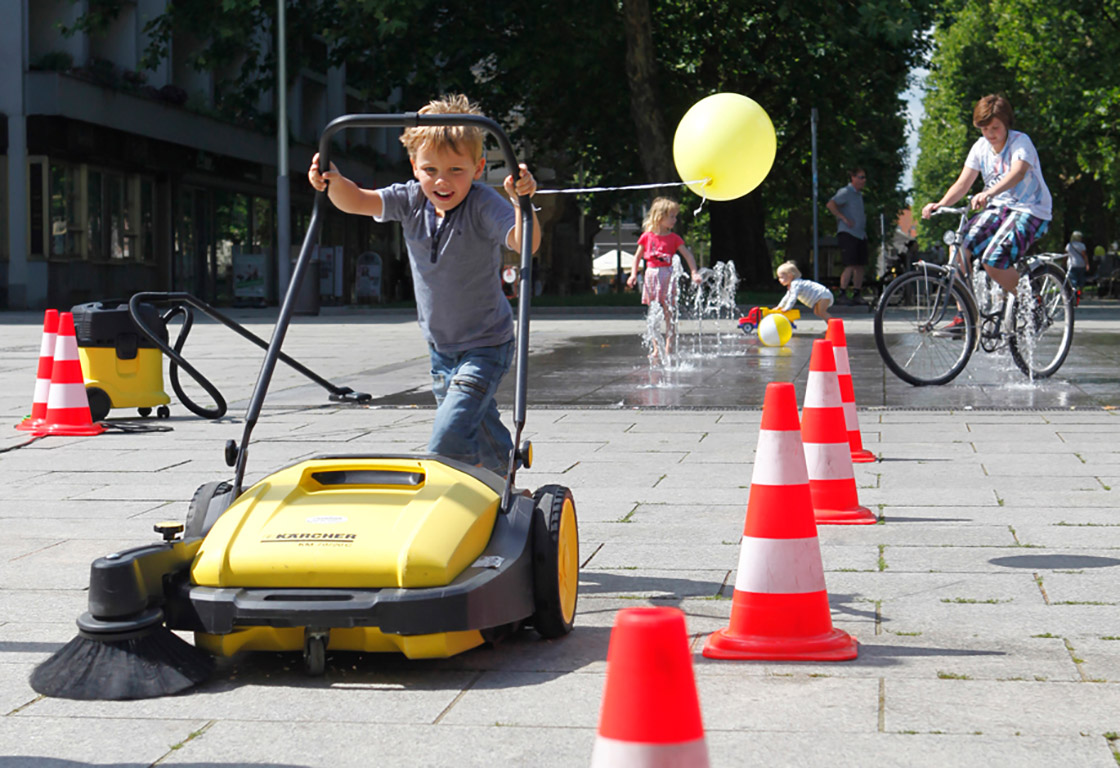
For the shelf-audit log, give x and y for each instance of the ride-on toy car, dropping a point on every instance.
(417, 554)
(748, 323)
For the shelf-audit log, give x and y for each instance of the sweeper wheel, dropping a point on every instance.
(196, 525)
(144, 412)
(315, 653)
(555, 561)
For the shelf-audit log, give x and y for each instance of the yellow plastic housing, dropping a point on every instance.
(296, 530)
(135, 383)
(365, 639)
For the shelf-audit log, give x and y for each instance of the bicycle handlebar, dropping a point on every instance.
(948, 209)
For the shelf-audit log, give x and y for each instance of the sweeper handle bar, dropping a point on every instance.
(406, 120)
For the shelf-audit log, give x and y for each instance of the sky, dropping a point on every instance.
(914, 114)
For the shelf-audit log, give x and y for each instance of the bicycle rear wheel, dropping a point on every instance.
(1042, 335)
(914, 328)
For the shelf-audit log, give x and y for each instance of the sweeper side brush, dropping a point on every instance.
(126, 652)
(136, 663)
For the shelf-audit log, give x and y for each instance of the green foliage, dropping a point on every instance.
(99, 14)
(556, 71)
(55, 61)
(1057, 65)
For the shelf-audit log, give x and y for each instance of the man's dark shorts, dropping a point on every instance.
(853, 251)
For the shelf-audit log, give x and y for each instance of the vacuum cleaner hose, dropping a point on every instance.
(177, 360)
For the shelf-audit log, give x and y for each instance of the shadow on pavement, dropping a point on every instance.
(1055, 561)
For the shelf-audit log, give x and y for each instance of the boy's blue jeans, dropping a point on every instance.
(468, 427)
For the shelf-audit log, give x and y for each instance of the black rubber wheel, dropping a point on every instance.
(99, 403)
(911, 327)
(195, 526)
(315, 655)
(163, 412)
(144, 412)
(1040, 343)
(555, 561)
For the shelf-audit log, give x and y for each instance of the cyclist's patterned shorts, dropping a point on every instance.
(1002, 235)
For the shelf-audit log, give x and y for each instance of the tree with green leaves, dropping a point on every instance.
(593, 90)
(1057, 65)
(598, 110)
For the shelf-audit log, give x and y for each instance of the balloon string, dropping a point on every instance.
(703, 198)
(579, 190)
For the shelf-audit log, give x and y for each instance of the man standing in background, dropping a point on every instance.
(851, 231)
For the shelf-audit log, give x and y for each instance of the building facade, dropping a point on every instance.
(115, 179)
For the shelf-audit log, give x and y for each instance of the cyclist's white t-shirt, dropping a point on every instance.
(1030, 195)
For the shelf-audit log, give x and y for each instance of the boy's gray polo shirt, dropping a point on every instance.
(850, 202)
(459, 299)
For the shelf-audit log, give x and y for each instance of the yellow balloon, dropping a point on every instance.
(775, 330)
(728, 139)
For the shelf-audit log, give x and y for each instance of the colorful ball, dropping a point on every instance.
(728, 139)
(775, 330)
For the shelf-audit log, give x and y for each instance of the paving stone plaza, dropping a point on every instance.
(985, 600)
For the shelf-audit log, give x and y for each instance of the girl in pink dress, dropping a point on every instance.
(656, 247)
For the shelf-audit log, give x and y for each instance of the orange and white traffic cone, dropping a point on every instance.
(832, 481)
(839, 340)
(651, 711)
(780, 607)
(67, 403)
(38, 415)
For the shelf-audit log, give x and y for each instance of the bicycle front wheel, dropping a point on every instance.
(916, 330)
(1043, 333)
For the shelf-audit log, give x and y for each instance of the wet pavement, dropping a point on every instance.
(721, 367)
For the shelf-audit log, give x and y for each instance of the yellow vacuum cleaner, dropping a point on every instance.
(122, 367)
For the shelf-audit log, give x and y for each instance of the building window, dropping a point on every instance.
(120, 238)
(262, 225)
(95, 230)
(231, 225)
(120, 216)
(65, 210)
(147, 232)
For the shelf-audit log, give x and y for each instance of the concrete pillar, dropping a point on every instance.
(13, 65)
(336, 93)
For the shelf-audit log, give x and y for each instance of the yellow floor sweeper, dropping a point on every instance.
(420, 555)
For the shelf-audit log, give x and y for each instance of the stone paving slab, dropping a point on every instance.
(1006, 708)
(984, 602)
(101, 741)
(335, 744)
(401, 696)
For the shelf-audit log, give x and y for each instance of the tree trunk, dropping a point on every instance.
(739, 235)
(799, 239)
(641, 73)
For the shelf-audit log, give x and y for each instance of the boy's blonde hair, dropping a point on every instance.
(661, 207)
(465, 139)
(790, 268)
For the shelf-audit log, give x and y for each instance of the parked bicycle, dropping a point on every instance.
(930, 320)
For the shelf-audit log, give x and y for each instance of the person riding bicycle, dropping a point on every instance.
(1078, 260)
(1015, 204)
